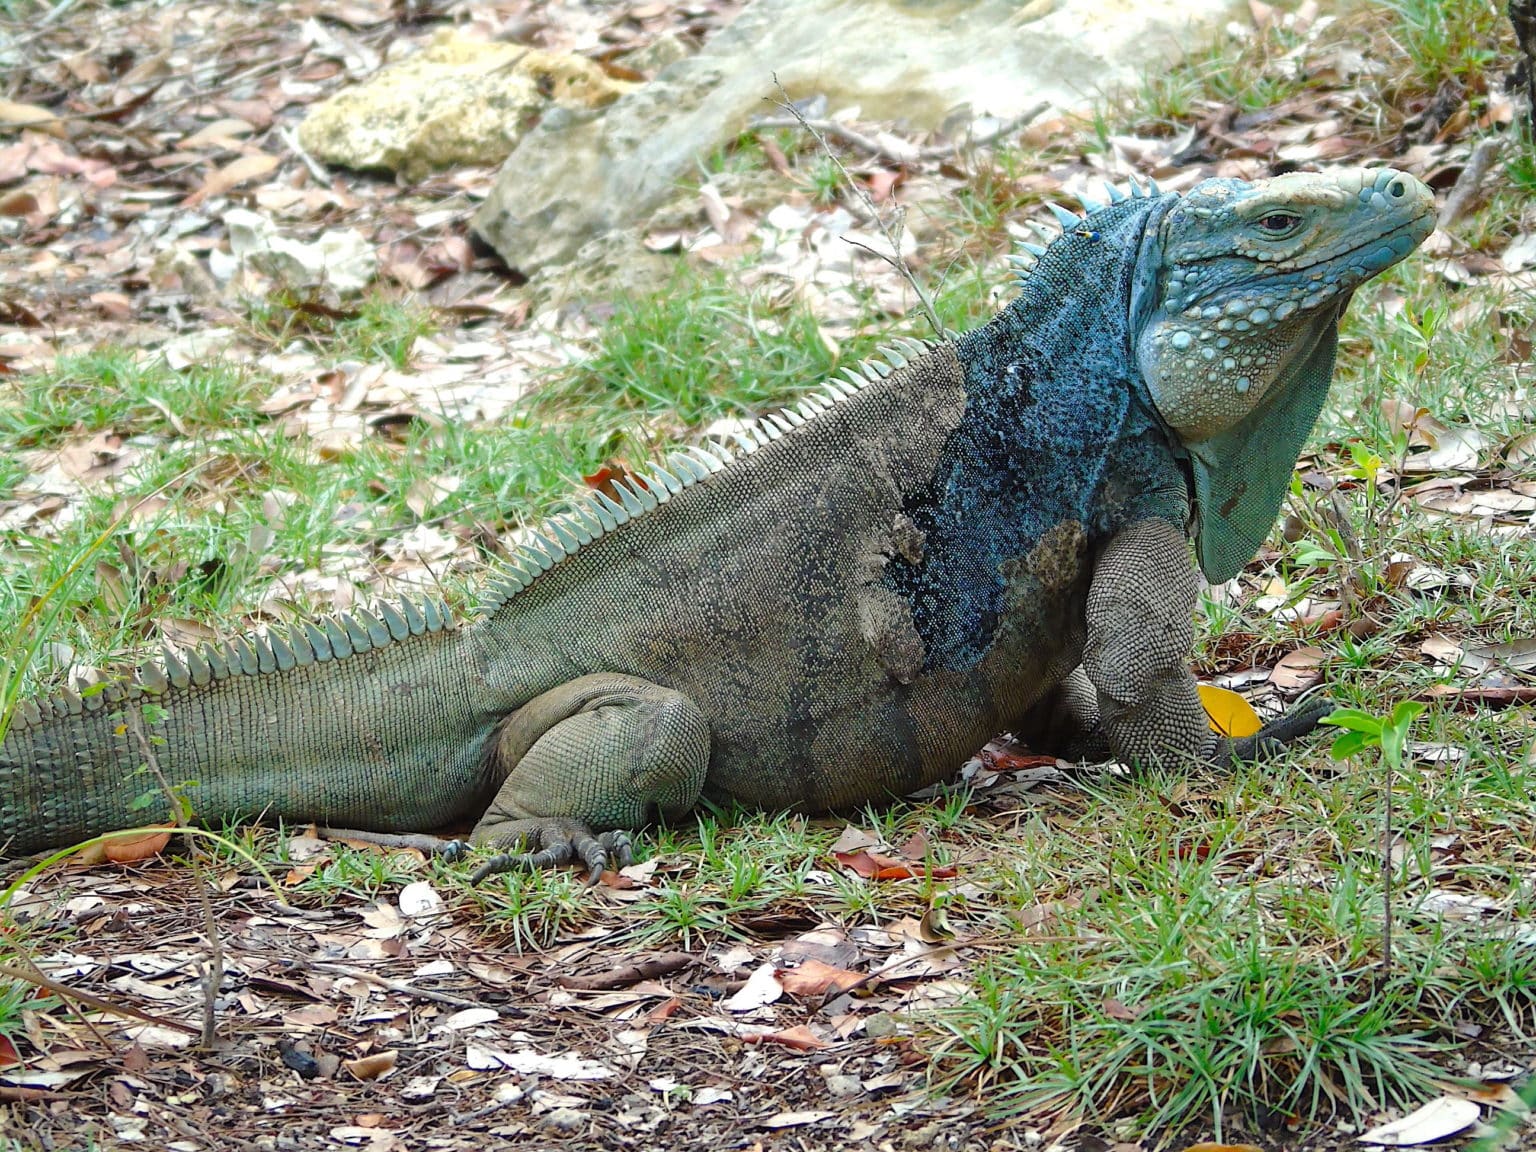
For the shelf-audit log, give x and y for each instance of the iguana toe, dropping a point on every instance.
(554, 842)
(1275, 735)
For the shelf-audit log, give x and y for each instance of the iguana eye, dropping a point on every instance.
(1278, 224)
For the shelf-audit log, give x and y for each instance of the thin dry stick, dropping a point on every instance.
(213, 974)
(891, 233)
(73, 1007)
(385, 982)
(38, 980)
(1467, 184)
(899, 151)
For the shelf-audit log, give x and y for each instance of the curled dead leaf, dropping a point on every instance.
(934, 927)
(30, 116)
(1299, 670)
(132, 849)
(1435, 1121)
(373, 1066)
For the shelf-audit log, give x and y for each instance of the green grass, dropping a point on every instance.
(379, 327)
(113, 390)
(1425, 43)
(697, 350)
(217, 502)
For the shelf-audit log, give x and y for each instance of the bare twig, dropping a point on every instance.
(213, 974)
(31, 964)
(899, 150)
(38, 980)
(384, 982)
(419, 841)
(891, 232)
(316, 169)
(1468, 183)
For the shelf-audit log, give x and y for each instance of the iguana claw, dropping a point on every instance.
(554, 843)
(1275, 735)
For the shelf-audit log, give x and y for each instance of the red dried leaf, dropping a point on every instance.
(999, 759)
(665, 1010)
(813, 978)
(132, 849)
(859, 863)
(876, 866)
(799, 1037)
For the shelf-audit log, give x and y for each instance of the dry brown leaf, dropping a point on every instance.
(934, 927)
(796, 1119)
(855, 840)
(373, 1066)
(231, 128)
(112, 305)
(1441, 649)
(31, 117)
(1480, 504)
(1299, 670)
(13, 161)
(1516, 655)
(813, 978)
(19, 202)
(1118, 1010)
(132, 849)
(231, 176)
(311, 1016)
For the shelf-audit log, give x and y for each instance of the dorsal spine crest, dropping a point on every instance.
(279, 649)
(588, 517)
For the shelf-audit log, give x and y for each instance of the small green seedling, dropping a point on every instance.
(1362, 731)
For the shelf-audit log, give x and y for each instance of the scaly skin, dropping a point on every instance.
(993, 535)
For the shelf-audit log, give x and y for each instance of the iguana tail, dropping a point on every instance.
(367, 720)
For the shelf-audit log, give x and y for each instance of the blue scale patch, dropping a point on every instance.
(1058, 427)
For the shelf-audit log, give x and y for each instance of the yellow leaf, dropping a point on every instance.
(1229, 713)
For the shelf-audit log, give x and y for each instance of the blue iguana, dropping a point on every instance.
(983, 534)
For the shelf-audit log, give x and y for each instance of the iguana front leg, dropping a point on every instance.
(1140, 624)
(600, 754)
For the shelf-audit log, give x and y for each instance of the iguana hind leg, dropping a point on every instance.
(600, 754)
(1140, 629)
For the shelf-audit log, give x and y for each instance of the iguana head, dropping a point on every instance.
(1242, 286)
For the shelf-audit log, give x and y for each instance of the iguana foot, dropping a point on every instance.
(554, 841)
(1274, 736)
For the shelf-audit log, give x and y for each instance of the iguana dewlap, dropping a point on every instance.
(987, 534)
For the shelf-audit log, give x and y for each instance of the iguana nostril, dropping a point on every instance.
(1397, 189)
